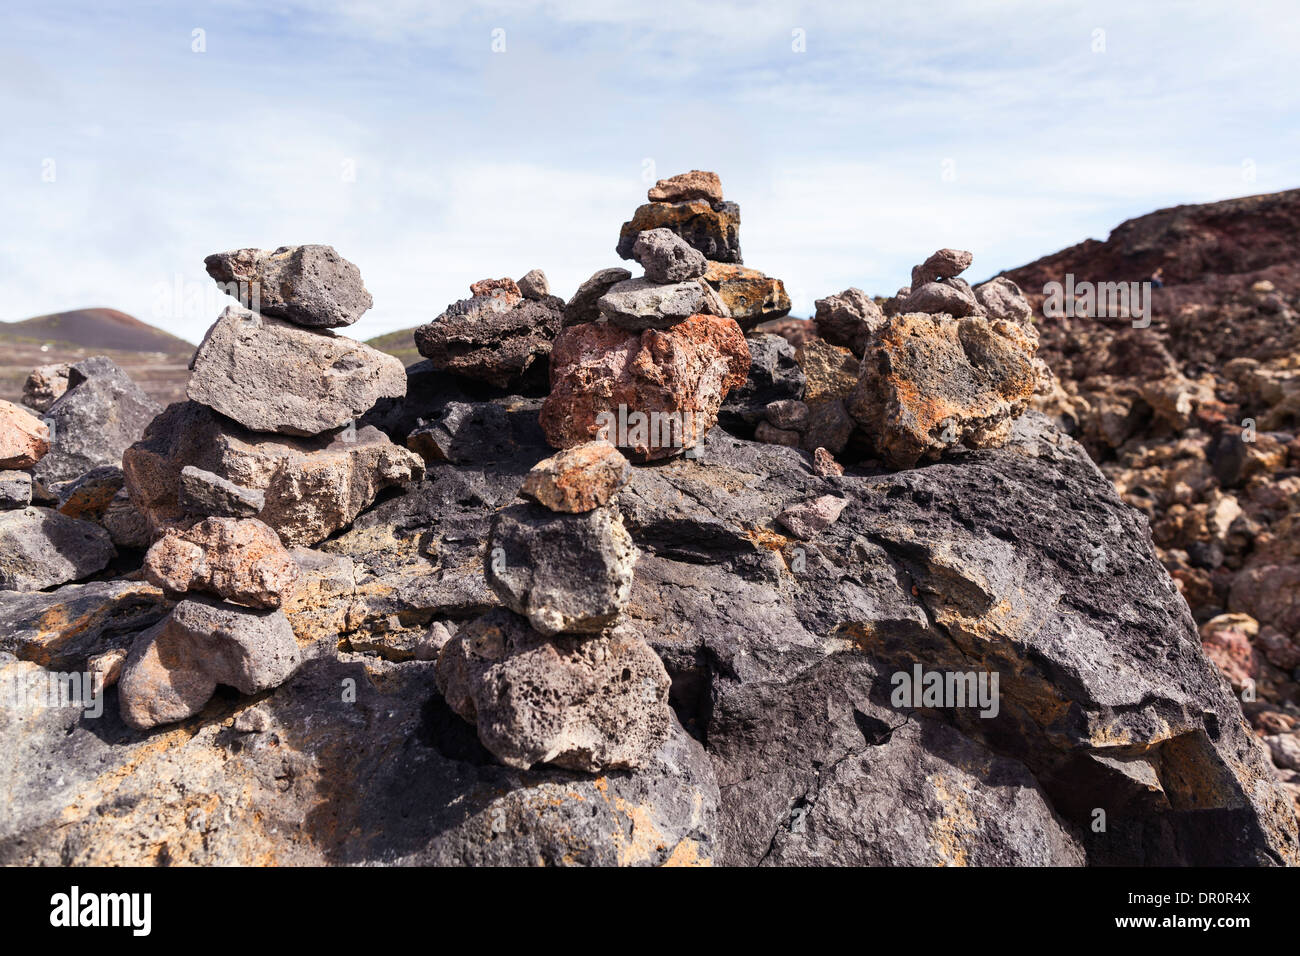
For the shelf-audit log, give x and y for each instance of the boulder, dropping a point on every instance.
(40, 548)
(666, 257)
(238, 560)
(24, 438)
(848, 319)
(44, 385)
(94, 421)
(582, 307)
(697, 184)
(577, 479)
(653, 394)
(311, 286)
(64, 628)
(567, 573)
(750, 296)
(594, 704)
(930, 383)
(711, 227)
(271, 375)
(312, 486)
(493, 339)
(174, 667)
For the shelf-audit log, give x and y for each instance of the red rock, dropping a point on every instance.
(500, 288)
(667, 384)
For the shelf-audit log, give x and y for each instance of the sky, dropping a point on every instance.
(434, 144)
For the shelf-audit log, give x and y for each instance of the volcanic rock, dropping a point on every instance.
(24, 438)
(311, 286)
(951, 296)
(711, 227)
(577, 479)
(239, 560)
(771, 435)
(582, 307)
(808, 519)
(788, 413)
(750, 296)
(830, 372)
(44, 385)
(63, 628)
(534, 285)
(273, 376)
(848, 319)
(697, 184)
(825, 465)
(15, 490)
(40, 548)
(567, 573)
(682, 374)
(930, 383)
(666, 257)
(204, 494)
(944, 264)
(94, 421)
(504, 291)
(1002, 299)
(774, 376)
(640, 304)
(174, 668)
(313, 486)
(587, 703)
(89, 496)
(492, 338)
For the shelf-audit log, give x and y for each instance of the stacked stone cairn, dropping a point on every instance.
(646, 362)
(265, 452)
(556, 676)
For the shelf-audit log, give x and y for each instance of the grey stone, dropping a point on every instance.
(204, 494)
(15, 489)
(640, 304)
(944, 264)
(1002, 299)
(583, 306)
(534, 285)
(666, 257)
(848, 319)
(273, 376)
(951, 296)
(94, 421)
(586, 703)
(564, 572)
(40, 548)
(174, 667)
(309, 285)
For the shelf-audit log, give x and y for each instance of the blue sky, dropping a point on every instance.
(394, 132)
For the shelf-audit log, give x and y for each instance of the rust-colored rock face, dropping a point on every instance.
(929, 382)
(653, 393)
(697, 184)
(240, 560)
(712, 228)
(750, 296)
(24, 438)
(578, 479)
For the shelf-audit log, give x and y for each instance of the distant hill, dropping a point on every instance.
(93, 329)
(400, 343)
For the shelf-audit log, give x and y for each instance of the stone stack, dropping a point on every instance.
(946, 365)
(649, 370)
(500, 335)
(274, 394)
(690, 205)
(39, 547)
(556, 676)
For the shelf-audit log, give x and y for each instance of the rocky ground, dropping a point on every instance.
(627, 578)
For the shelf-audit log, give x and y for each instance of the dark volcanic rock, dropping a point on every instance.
(94, 421)
(774, 376)
(492, 338)
(40, 548)
(308, 285)
(711, 227)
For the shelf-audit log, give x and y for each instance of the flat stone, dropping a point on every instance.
(639, 304)
(492, 339)
(89, 496)
(583, 306)
(40, 548)
(205, 494)
(311, 285)
(271, 375)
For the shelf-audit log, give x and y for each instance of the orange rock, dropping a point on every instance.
(24, 438)
(751, 296)
(578, 479)
(712, 228)
(238, 559)
(697, 184)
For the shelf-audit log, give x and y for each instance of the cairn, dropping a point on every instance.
(274, 393)
(555, 676)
